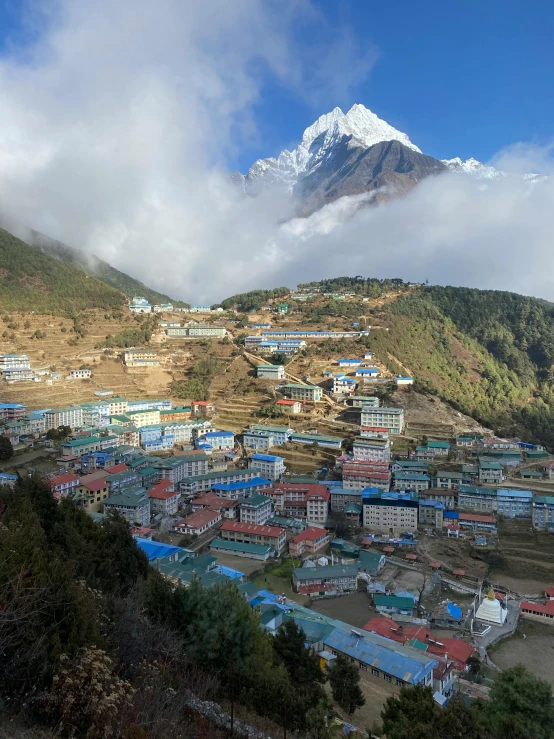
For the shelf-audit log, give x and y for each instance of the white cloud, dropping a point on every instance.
(117, 122)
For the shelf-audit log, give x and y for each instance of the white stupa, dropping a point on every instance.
(491, 610)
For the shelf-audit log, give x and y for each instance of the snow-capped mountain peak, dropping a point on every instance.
(367, 128)
(472, 167)
(318, 144)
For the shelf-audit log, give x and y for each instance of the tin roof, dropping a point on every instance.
(383, 654)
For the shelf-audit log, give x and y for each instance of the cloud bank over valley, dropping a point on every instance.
(118, 122)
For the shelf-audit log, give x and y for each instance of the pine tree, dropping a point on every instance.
(6, 448)
(413, 714)
(521, 706)
(344, 679)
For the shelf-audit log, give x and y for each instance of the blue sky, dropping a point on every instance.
(121, 120)
(460, 78)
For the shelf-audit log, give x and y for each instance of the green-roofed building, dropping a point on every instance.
(316, 631)
(140, 461)
(392, 604)
(416, 644)
(537, 454)
(133, 504)
(339, 578)
(371, 562)
(330, 442)
(121, 419)
(295, 525)
(239, 549)
(473, 498)
(248, 589)
(410, 465)
(81, 446)
(297, 391)
(490, 473)
(148, 476)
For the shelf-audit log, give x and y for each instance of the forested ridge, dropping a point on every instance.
(489, 353)
(33, 281)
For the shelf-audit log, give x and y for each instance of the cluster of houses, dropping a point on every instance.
(17, 368)
(387, 652)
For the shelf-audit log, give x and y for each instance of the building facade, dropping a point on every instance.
(390, 510)
(255, 510)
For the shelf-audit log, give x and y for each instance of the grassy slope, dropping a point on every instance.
(487, 353)
(33, 281)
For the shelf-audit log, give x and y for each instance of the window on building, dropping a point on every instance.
(374, 671)
(388, 678)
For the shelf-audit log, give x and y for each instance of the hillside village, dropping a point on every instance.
(299, 460)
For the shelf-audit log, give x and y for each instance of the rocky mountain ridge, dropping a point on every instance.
(350, 154)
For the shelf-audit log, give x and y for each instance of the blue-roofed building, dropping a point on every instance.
(241, 489)
(381, 658)
(11, 411)
(284, 334)
(218, 440)
(140, 305)
(514, 503)
(404, 380)
(256, 439)
(431, 513)
(267, 465)
(367, 372)
(157, 549)
(447, 615)
(343, 385)
(280, 434)
(150, 433)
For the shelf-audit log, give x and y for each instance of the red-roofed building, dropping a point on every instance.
(549, 593)
(295, 500)
(63, 484)
(96, 475)
(289, 406)
(226, 506)
(202, 407)
(116, 469)
(476, 522)
(197, 523)
(164, 498)
(310, 541)
(538, 611)
(142, 532)
(450, 649)
(91, 494)
(360, 474)
(250, 533)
